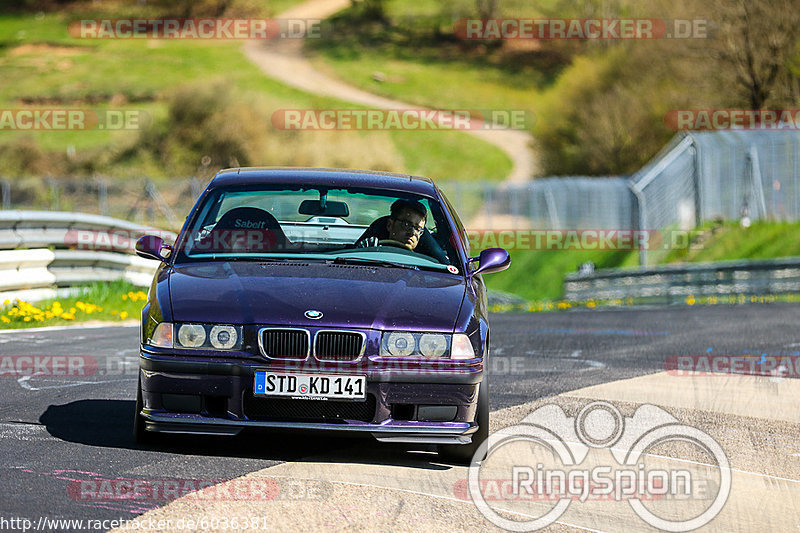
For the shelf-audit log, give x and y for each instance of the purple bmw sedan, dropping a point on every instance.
(318, 299)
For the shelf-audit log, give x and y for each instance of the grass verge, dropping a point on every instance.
(538, 275)
(104, 301)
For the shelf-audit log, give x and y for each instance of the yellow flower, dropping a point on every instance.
(5, 319)
(123, 315)
(124, 296)
(68, 316)
(27, 319)
(6, 302)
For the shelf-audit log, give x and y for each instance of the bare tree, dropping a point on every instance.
(371, 9)
(758, 41)
(487, 9)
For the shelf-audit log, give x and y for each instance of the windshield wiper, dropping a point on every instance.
(254, 258)
(364, 261)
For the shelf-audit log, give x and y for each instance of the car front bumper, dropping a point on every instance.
(188, 395)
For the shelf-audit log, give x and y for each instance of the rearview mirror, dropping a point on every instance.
(332, 209)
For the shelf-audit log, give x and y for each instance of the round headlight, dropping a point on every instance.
(400, 344)
(191, 335)
(431, 345)
(223, 337)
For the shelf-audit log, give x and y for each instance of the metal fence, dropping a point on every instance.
(696, 177)
(677, 283)
(139, 200)
(728, 175)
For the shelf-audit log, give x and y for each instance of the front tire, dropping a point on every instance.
(462, 454)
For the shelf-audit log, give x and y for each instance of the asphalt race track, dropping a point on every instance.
(68, 451)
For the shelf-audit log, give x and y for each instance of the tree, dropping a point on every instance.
(487, 9)
(371, 9)
(757, 42)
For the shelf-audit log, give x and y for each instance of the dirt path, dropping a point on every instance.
(283, 60)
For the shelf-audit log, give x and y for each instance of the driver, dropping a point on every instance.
(404, 226)
(406, 222)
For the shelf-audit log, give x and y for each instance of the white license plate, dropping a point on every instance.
(309, 386)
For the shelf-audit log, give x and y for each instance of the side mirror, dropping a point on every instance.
(491, 260)
(150, 246)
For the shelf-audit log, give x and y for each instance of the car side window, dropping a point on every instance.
(461, 233)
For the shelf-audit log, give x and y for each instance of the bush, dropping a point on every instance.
(206, 127)
(605, 114)
(23, 156)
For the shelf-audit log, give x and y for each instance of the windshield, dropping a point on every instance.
(345, 225)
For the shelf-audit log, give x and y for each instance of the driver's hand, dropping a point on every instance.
(369, 241)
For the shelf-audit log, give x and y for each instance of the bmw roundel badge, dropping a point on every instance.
(313, 314)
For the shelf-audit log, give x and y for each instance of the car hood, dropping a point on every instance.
(353, 296)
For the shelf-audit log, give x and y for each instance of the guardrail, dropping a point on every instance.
(673, 283)
(43, 251)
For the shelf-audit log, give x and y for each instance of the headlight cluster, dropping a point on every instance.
(205, 336)
(426, 345)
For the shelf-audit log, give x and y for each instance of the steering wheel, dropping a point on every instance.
(391, 242)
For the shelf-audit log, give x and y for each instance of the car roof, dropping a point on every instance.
(332, 177)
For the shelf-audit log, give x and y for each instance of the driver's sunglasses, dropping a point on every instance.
(408, 226)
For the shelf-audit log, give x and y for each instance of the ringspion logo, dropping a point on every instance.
(549, 461)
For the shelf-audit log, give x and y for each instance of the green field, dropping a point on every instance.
(44, 67)
(406, 60)
(539, 275)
